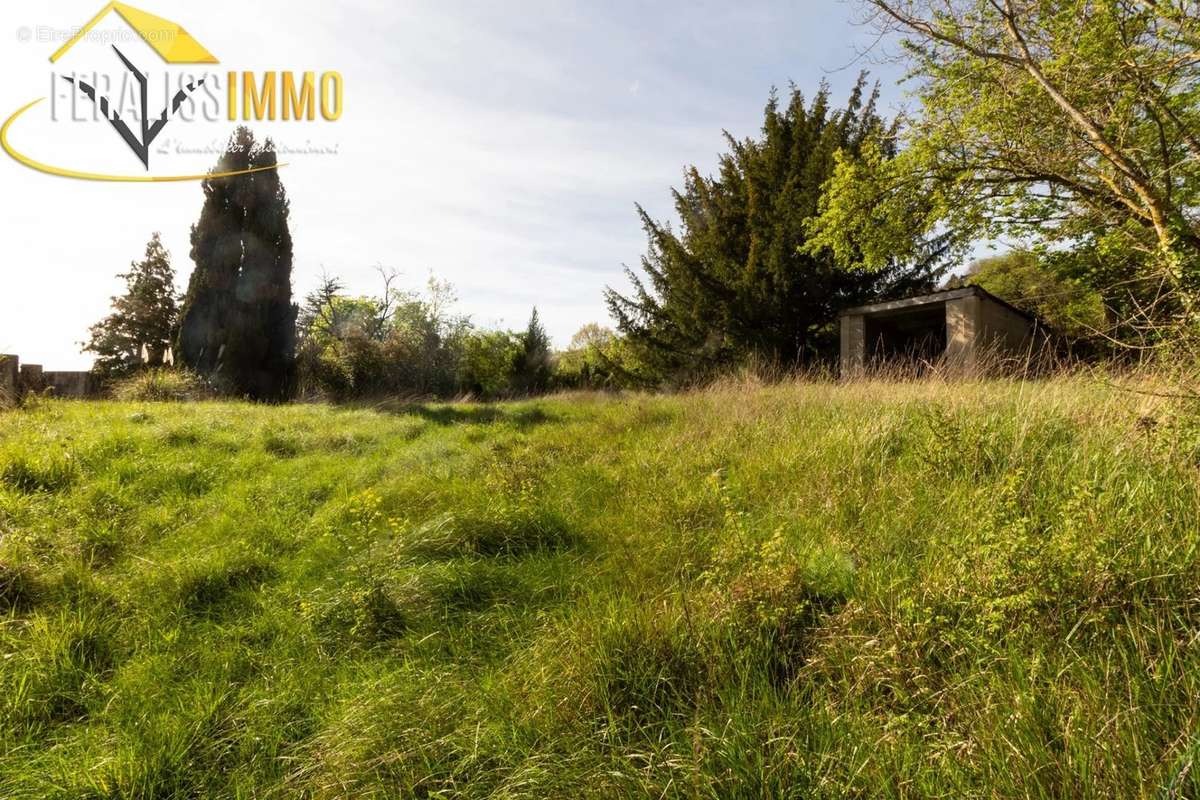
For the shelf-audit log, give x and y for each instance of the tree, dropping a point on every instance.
(486, 368)
(425, 341)
(534, 366)
(141, 326)
(401, 342)
(597, 358)
(1040, 286)
(1057, 121)
(319, 315)
(237, 326)
(593, 334)
(736, 280)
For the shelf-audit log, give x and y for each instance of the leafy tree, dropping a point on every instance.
(592, 335)
(340, 349)
(318, 316)
(1036, 284)
(597, 358)
(735, 279)
(424, 340)
(141, 326)
(238, 322)
(486, 369)
(532, 370)
(1057, 121)
(398, 343)
(328, 314)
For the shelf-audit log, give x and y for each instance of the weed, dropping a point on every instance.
(163, 386)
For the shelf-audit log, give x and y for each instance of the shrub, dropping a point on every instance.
(488, 363)
(598, 359)
(163, 386)
(402, 343)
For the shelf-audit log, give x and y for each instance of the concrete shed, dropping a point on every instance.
(10, 370)
(959, 325)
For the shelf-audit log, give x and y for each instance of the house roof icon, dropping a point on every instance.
(169, 40)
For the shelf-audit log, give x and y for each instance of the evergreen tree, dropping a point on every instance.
(534, 368)
(238, 320)
(734, 280)
(140, 328)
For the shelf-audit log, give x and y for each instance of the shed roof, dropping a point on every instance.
(930, 299)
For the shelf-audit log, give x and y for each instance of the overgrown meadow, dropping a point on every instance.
(881, 589)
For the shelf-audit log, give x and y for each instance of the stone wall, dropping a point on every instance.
(17, 379)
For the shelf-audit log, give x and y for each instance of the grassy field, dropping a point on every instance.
(804, 590)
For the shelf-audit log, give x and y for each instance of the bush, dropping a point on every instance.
(163, 386)
(402, 343)
(488, 363)
(598, 359)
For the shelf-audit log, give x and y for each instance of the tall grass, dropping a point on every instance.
(886, 588)
(163, 385)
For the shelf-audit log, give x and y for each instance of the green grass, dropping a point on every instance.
(806, 590)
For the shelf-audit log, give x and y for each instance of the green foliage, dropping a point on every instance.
(737, 280)
(488, 361)
(1068, 124)
(1033, 283)
(598, 358)
(860, 590)
(532, 371)
(425, 339)
(411, 344)
(402, 343)
(141, 327)
(237, 323)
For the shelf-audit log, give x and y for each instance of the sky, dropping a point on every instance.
(498, 146)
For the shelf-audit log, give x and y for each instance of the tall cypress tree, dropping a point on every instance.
(238, 321)
(733, 281)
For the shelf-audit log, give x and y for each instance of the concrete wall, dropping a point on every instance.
(17, 379)
(31, 379)
(10, 367)
(854, 344)
(1004, 330)
(979, 329)
(77, 385)
(963, 325)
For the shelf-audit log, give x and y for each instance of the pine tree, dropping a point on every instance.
(533, 369)
(141, 326)
(238, 320)
(733, 282)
